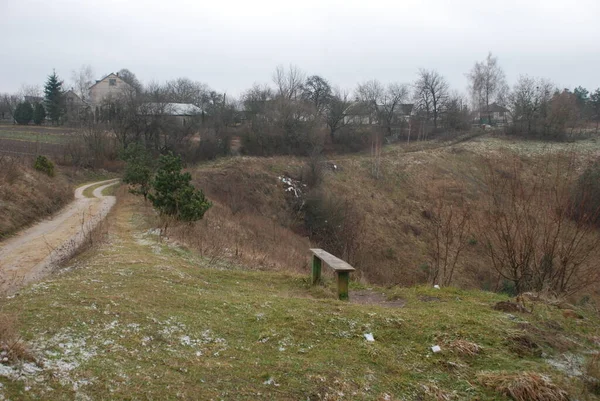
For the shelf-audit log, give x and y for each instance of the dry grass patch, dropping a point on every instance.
(434, 393)
(464, 347)
(524, 386)
(12, 347)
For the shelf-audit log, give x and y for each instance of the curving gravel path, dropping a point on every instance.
(35, 252)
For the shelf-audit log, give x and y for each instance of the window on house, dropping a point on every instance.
(112, 82)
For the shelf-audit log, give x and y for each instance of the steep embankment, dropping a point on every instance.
(389, 203)
(139, 319)
(27, 195)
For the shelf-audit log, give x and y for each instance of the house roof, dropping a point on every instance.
(172, 109)
(111, 75)
(71, 92)
(102, 79)
(494, 108)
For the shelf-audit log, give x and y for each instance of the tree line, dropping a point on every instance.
(298, 112)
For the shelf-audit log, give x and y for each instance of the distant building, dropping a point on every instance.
(107, 87)
(72, 100)
(499, 115)
(182, 113)
(360, 113)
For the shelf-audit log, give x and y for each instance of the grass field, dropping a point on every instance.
(32, 136)
(141, 319)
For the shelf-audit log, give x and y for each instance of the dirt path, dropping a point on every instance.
(34, 252)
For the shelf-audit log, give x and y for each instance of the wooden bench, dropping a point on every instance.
(341, 268)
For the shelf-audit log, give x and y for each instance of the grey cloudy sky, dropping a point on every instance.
(232, 44)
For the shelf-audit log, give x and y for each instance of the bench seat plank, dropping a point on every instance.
(335, 263)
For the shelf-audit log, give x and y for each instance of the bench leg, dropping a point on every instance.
(343, 279)
(316, 270)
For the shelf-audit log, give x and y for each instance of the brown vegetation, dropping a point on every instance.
(427, 218)
(524, 386)
(27, 195)
(12, 347)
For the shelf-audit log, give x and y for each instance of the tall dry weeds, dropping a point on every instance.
(524, 386)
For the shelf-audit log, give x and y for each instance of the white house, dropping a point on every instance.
(109, 86)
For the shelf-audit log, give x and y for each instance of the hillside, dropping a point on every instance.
(27, 195)
(140, 319)
(390, 237)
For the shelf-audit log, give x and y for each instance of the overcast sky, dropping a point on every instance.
(231, 44)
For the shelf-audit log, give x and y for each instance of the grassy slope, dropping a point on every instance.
(140, 320)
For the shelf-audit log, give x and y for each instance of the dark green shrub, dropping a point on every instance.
(39, 114)
(43, 164)
(23, 113)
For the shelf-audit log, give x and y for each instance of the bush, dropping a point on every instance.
(43, 164)
(210, 149)
(351, 139)
(23, 113)
(39, 114)
(174, 195)
(312, 171)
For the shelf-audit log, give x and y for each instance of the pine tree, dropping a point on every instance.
(174, 195)
(54, 98)
(23, 113)
(39, 114)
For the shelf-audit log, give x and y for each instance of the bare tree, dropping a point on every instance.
(8, 104)
(487, 84)
(255, 100)
(449, 224)
(456, 112)
(529, 103)
(431, 94)
(30, 91)
(335, 111)
(82, 79)
(184, 90)
(289, 83)
(317, 91)
(130, 78)
(384, 102)
(530, 230)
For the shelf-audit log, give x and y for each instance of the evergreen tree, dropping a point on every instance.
(54, 98)
(174, 195)
(23, 113)
(39, 114)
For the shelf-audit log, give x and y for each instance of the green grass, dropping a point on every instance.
(89, 191)
(138, 319)
(34, 136)
(110, 190)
